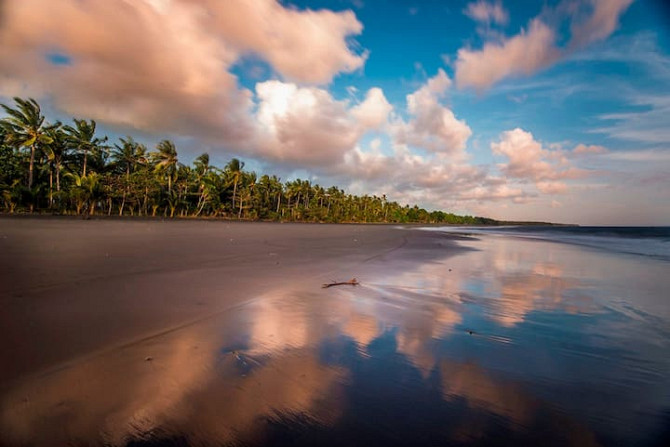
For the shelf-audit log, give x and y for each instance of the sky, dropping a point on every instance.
(517, 110)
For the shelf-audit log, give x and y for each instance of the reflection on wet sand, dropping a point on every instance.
(400, 357)
(481, 391)
(189, 383)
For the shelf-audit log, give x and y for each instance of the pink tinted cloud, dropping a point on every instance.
(374, 111)
(602, 22)
(165, 66)
(582, 149)
(486, 12)
(303, 45)
(536, 47)
(528, 160)
(522, 54)
(132, 64)
(307, 126)
(432, 126)
(302, 124)
(433, 179)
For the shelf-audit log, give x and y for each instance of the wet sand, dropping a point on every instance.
(214, 333)
(69, 287)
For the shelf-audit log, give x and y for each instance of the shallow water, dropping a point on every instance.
(513, 342)
(651, 242)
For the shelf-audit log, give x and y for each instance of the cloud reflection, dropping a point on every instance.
(222, 380)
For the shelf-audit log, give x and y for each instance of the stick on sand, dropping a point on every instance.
(351, 282)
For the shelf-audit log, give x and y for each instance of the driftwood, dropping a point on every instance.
(351, 282)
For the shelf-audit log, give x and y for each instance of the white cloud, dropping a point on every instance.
(582, 149)
(648, 126)
(165, 65)
(308, 127)
(432, 180)
(528, 160)
(536, 47)
(600, 24)
(304, 125)
(522, 54)
(647, 155)
(432, 126)
(303, 45)
(373, 112)
(487, 13)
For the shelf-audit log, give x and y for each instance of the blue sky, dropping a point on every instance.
(526, 110)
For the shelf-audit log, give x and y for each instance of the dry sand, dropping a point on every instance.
(71, 288)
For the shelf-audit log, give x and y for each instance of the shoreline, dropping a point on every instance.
(38, 215)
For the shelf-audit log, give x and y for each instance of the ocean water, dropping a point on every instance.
(643, 241)
(505, 337)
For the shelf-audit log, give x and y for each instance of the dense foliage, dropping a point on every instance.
(68, 169)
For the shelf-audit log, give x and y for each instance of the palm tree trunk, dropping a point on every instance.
(278, 201)
(51, 188)
(126, 190)
(30, 168)
(85, 158)
(123, 203)
(234, 193)
(146, 196)
(200, 208)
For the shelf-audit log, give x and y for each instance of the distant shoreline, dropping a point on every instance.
(80, 217)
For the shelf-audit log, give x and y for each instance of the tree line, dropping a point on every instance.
(70, 169)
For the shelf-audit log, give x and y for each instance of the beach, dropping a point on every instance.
(150, 332)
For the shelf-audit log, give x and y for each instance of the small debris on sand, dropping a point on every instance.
(351, 282)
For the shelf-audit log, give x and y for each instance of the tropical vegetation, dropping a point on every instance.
(71, 169)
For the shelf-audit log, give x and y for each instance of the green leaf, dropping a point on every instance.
(46, 139)
(30, 141)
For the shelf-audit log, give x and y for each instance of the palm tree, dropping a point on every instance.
(234, 171)
(277, 188)
(202, 171)
(85, 191)
(166, 160)
(83, 138)
(129, 154)
(306, 190)
(202, 165)
(25, 127)
(249, 182)
(56, 152)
